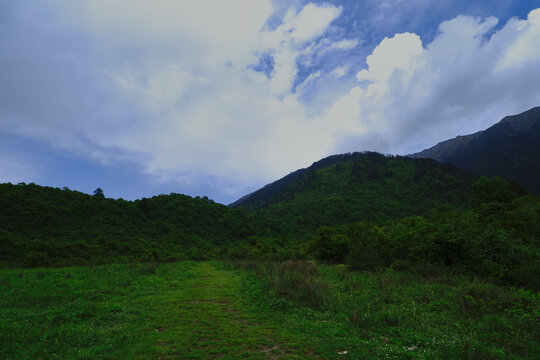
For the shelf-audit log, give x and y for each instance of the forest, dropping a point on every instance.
(365, 210)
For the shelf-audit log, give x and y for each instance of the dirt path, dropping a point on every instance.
(205, 317)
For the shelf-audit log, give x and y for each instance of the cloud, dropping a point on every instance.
(170, 83)
(397, 53)
(345, 44)
(339, 71)
(178, 88)
(288, 41)
(468, 77)
(310, 22)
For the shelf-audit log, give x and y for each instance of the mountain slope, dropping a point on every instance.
(510, 149)
(345, 188)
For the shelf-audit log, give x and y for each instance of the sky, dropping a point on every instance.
(218, 98)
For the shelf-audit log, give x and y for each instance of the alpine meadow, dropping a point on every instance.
(157, 199)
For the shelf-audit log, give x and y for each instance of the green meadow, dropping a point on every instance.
(261, 310)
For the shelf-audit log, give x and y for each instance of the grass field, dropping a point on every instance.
(207, 310)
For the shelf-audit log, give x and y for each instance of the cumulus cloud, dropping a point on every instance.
(174, 87)
(468, 77)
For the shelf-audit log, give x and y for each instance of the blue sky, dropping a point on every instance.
(218, 98)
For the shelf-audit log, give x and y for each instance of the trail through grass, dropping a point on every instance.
(212, 320)
(208, 310)
(171, 311)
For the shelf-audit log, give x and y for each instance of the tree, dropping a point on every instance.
(143, 206)
(329, 246)
(99, 193)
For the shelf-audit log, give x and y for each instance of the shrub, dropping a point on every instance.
(298, 281)
(36, 259)
(330, 247)
(526, 275)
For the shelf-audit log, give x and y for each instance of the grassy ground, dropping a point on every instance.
(183, 310)
(204, 310)
(394, 314)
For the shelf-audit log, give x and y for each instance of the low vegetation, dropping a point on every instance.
(180, 310)
(260, 310)
(392, 314)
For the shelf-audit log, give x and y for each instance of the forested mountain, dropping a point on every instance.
(365, 209)
(509, 149)
(49, 226)
(365, 186)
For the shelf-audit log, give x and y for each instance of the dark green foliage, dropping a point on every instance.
(99, 193)
(299, 281)
(365, 250)
(330, 247)
(492, 240)
(367, 210)
(488, 191)
(346, 188)
(42, 226)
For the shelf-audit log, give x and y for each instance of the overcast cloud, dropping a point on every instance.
(235, 94)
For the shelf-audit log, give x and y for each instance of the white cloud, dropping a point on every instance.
(234, 121)
(402, 52)
(204, 31)
(171, 85)
(310, 22)
(345, 44)
(340, 71)
(467, 78)
(287, 42)
(522, 49)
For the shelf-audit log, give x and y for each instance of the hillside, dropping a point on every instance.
(42, 226)
(508, 149)
(345, 188)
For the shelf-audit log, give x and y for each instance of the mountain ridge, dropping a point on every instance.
(350, 187)
(508, 149)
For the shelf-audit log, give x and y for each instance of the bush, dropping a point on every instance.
(298, 281)
(36, 259)
(526, 275)
(365, 250)
(330, 247)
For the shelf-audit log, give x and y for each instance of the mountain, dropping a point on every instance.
(368, 186)
(42, 226)
(510, 149)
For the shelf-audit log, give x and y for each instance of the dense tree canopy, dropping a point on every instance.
(352, 187)
(367, 210)
(42, 226)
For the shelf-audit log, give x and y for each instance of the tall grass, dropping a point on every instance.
(299, 281)
(410, 314)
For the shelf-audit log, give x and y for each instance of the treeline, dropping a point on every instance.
(498, 237)
(44, 226)
(366, 210)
